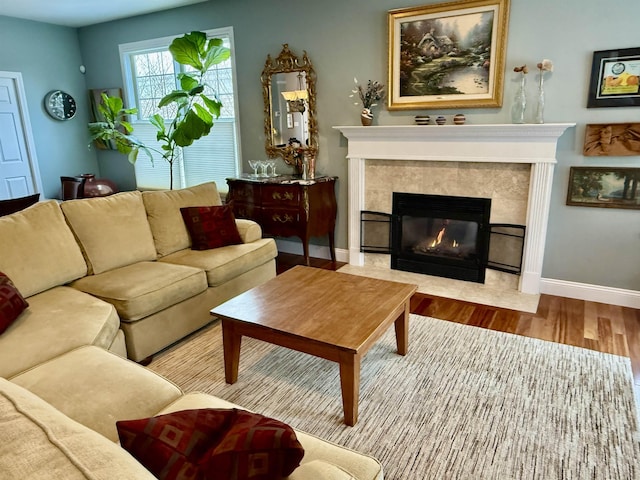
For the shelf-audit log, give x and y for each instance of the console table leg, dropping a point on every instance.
(332, 246)
(350, 383)
(231, 342)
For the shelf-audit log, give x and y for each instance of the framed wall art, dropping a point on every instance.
(604, 187)
(447, 55)
(612, 139)
(615, 78)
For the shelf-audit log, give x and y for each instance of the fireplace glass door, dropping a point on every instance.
(441, 235)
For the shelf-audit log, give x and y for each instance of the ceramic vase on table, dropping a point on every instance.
(366, 117)
(97, 187)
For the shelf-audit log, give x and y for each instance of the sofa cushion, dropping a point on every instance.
(113, 231)
(358, 465)
(12, 304)
(38, 249)
(97, 388)
(225, 263)
(211, 227)
(163, 211)
(144, 288)
(56, 321)
(212, 443)
(40, 443)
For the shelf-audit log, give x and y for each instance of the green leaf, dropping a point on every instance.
(174, 96)
(213, 105)
(133, 156)
(186, 50)
(196, 90)
(203, 114)
(127, 126)
(114, 104)
(187, 81)
(192, 128)
(158, 122)
(215, 55)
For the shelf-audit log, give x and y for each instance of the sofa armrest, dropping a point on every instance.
(249, 230)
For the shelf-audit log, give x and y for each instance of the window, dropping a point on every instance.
(149, 74)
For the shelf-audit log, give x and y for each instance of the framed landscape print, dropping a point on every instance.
(604, 187)
(615, 78)
(447, 55)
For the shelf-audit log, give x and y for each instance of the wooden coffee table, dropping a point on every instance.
(328, 314)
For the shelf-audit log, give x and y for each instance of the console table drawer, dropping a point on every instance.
(280, 195)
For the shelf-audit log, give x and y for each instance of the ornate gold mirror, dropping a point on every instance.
(289, 91)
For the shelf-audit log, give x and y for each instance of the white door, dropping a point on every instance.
(19, 175)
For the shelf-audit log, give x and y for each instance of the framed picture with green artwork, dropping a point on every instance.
(447, 55)
(606, 187)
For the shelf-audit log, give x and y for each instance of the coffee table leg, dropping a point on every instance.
(350, 383)
(231, 342)
(402, 330)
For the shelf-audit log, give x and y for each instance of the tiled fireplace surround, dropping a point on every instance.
(511, 164)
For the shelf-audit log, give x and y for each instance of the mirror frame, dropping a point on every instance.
(287, 62)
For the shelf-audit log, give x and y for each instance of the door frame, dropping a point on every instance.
(29, 143)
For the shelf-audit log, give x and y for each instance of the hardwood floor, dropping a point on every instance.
(597, 326)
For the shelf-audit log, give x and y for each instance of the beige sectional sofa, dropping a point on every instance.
(99, 275)
(132, 251)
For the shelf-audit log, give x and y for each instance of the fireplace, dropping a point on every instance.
(532, 146)
(446, 236)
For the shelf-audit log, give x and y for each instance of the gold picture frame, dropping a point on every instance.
(447, 55)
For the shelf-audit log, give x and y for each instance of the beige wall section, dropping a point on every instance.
(507, 185)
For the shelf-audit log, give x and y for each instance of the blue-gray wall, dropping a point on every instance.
(48, 57)
(349, 38)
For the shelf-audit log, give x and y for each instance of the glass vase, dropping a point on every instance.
(519, 102)
(539, 118)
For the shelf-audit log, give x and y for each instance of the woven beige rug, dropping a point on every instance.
(465, 403)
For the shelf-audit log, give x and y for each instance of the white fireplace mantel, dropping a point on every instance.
(533, 144)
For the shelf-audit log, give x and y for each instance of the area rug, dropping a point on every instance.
(465, 403)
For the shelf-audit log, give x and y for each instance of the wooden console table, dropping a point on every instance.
(286, 206)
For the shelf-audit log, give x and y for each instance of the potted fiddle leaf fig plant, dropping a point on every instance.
(194, 109)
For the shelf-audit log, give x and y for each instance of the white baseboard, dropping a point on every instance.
(560, 288)
(592, 293)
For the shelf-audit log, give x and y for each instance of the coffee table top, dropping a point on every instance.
(320, 305)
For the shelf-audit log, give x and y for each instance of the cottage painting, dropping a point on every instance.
(448, 55)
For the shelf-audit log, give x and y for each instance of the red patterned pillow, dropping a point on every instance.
(12, 304)
(211, 227)
(212, 444)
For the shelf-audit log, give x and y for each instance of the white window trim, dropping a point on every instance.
(127, 78)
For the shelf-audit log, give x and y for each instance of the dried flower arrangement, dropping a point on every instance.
(373, 93)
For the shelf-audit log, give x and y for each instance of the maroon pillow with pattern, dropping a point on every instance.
(212, 444)
(12, 304)
(211, 227)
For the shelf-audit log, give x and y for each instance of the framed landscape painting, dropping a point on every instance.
(604, 187)
(447, 55)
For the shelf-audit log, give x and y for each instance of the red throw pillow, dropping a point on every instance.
(212, 444)
(12, 304)
(211, 227)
